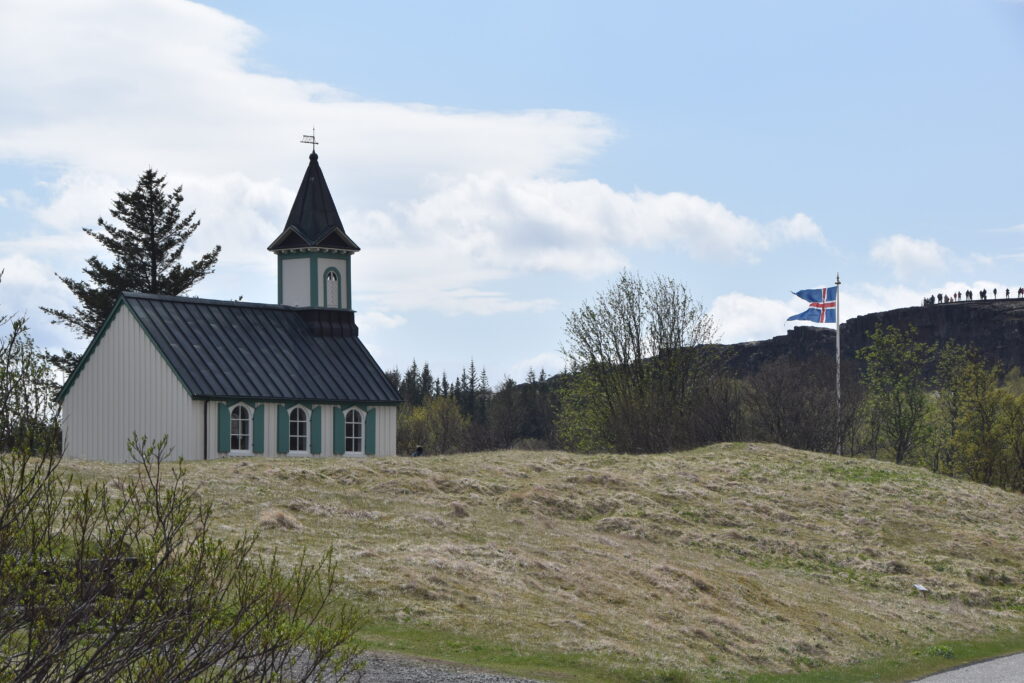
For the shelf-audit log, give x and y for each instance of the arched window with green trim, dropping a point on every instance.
(241, 429)
(298, 430)
(354, 424)
(332, 288)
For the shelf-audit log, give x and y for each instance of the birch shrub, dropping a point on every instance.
(125, 582)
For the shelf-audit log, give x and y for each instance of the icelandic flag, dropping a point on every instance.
(822, 301)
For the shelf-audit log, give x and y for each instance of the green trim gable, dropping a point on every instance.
(89, 350)
(121, 303)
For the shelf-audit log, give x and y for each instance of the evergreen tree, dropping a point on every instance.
(426, 381)
(410, 389)
(146, 239)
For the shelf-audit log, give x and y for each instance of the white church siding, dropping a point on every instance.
(125, 386)
(294, 284)
(338, 264)
(387, 428)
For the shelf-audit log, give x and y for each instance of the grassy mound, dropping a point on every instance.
(719, 562)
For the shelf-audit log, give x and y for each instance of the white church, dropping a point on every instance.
(231, 378)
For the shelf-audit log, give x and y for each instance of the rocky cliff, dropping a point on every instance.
(994, 327)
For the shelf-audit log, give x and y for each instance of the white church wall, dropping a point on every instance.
(126, 386)
(295, 282)
(322, 265)
(387, 427)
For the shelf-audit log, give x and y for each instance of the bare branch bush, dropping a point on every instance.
(642, 348)
(125, 582)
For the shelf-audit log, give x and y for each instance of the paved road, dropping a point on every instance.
(1003, 670)
(383, 667)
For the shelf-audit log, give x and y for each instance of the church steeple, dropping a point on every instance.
(313, 250)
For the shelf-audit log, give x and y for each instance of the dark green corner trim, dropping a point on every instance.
(338, 423)
(223, 428)
(314, 285)
(282, 429)
(348, 281)
(257, 429)
(314, 431)
(370, 432)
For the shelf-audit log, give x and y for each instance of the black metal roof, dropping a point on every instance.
(229, 349)
(314, 220)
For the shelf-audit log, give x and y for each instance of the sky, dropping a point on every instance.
(500, 163)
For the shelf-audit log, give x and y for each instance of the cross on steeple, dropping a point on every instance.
(310, 139)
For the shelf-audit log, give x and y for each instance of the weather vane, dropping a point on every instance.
(310, 139)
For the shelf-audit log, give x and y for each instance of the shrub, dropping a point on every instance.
(126, 583)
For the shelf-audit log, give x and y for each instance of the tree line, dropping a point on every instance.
(468, 414)
(644, 375)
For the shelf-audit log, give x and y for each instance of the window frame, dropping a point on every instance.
(328, 287)
(307, 420)
(362, 431)
(248, 421)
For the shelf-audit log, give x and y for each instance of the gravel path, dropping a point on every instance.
(1002, 670)
(383, 667)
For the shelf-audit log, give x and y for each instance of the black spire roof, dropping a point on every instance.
(314, 220)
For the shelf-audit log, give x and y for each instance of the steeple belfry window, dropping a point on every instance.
(332, 289)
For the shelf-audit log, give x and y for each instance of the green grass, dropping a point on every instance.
(909, 664)
(473, 651)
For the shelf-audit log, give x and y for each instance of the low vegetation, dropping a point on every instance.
(121, 580)
(720, 562)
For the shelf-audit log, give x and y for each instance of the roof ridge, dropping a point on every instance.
(212, 302)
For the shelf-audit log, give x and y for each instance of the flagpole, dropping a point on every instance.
(839, 401)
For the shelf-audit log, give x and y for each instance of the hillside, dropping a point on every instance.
(729, 559)
(994, 327)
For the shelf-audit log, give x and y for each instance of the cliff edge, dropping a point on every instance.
(995, 328)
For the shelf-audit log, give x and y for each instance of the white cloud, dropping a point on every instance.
(741, 317)
(907, 256)
(550, 361)
(374, 321)
(19, 269)
(446, 203)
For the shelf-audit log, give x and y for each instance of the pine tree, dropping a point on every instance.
(146, 239)
(426, 381)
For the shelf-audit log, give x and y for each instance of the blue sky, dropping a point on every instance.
(500, 162)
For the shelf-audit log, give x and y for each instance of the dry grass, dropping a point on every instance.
(729, 559)
(278, 519)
